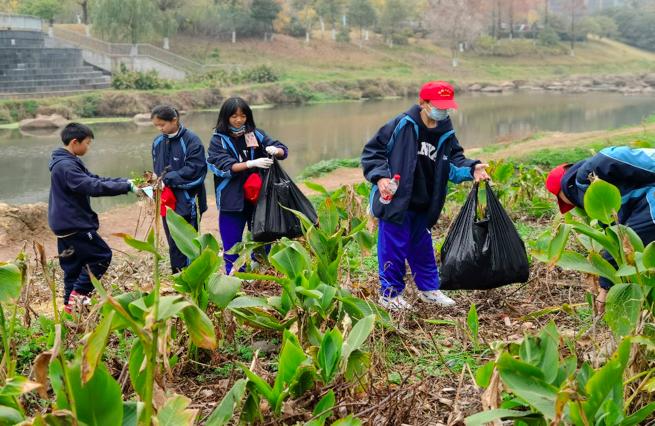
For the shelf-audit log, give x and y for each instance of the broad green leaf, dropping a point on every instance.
(649, 256)
(138, 244)
(290, 258)
(175, 412)
(485, 417)
(263, 388)
(558, 243)
(503, 172)
(291, 357)
(18, 385)
(323, 409)
(473, 324)
(357, 366)
(573, 261)
(230, 402)
(316, 187)
(124, 300)
(208, 241)
(95, 346)
(608, 243)
(10, 282)
(259, 318)
(137, 368)
(222, 289)
(639, 416)
(358, 308)
(328, 216)
(483, 374)
(131, 412)
(358, 335)
(329, 355)
(200, 328)
(622, 308)
(314, 294)
(194, 276)
(602, 200)
(183, 234)
(633, 238)
(527, 382)
(98, 402)
(604, 268)
(247, 302)
(10, 416)
(606, 384)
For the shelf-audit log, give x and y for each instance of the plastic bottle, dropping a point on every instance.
(393, 187)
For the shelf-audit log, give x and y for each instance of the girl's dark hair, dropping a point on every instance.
(165, 112)
(228, 109)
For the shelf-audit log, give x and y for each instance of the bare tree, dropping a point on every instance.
(455, 23)
(574, 9)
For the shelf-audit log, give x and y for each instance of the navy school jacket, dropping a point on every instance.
(183, 156)
(393, 150)
(632, 171)
(71, 186)
(228, 185)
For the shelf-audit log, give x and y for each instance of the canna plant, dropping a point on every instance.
(594, 230)
(546, 387)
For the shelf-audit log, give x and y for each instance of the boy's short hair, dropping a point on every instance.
(75, 131)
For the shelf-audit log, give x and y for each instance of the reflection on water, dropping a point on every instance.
(317, 132)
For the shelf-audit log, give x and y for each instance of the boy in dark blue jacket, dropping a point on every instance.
(71, 218)
(632, 171)
(179, 156)
(420, 146)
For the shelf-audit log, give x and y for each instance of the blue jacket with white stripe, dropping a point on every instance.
(632, 171)
(182, 157)
(393, 150)
(221, 156)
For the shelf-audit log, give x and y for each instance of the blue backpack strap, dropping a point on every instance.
(403, 121)
(443, 138)
(227, 144)
(183, 144)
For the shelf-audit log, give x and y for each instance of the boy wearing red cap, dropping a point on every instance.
(420, 146)
(632, 171)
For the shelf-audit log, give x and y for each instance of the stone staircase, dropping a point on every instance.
(28, 68)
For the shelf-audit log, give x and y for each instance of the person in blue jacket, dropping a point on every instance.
(71, 217)
(179, 156)
(632, 171)
(237, 150)
(419, 145)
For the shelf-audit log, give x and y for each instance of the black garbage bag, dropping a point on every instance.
(482, 253)
(271, 221)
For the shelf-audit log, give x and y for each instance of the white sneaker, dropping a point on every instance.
(436, 297)
(397, 303)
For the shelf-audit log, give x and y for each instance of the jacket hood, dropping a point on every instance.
(59, 155)
(443, 126)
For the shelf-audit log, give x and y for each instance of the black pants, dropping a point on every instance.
(78, 251)
(178, 260)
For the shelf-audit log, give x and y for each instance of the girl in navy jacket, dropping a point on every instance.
(178, 155)
(237, 150)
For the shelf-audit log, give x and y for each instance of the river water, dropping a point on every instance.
(318, 132)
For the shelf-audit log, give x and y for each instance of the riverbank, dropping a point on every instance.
(22, 224)
(114, 105)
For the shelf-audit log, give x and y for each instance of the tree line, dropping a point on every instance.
(452, 23)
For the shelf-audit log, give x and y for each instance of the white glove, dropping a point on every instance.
(133, 187)
(261, 163)
(272, 150)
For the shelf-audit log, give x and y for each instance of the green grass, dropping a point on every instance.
(326, 166)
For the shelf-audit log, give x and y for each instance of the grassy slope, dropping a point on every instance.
(328, 60)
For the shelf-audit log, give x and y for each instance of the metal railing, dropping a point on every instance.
(126, 49)
(20, 22)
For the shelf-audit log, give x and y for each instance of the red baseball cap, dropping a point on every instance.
(554, 186)
(440, 94)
